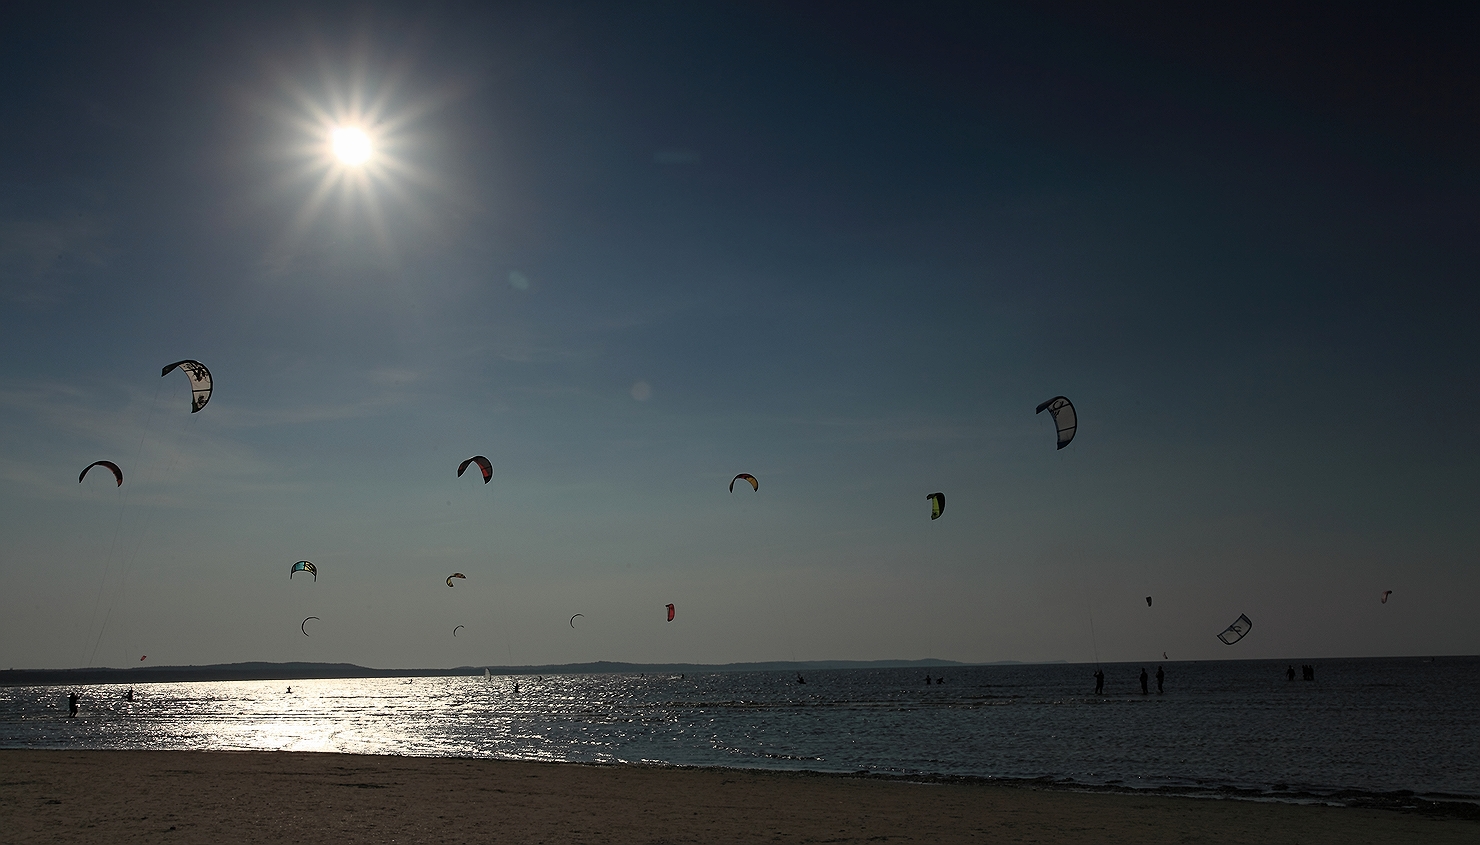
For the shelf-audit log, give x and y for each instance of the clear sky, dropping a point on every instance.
(627, 251)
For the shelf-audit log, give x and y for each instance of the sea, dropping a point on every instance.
(1362, 727)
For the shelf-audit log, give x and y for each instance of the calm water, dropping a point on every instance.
(1362, 725)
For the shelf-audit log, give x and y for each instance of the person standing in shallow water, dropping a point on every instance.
(73, 702)
(1290, 672)
(1161, 678)
(1099, 681)
(1143, 680)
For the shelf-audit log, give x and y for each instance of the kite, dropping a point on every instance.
(454, 630)
(200, 381)
(754, 485)
(117, 473)
(455, 575)
(1235, 632)
(304, 566)
(304, 623)
(1064, 417)
(141, 658)
(937, 504)
(1385, 594)
(670, 613)
(482, 463)
(573, 619)
(1148, 601)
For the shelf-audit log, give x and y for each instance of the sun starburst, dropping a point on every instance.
(348, 154)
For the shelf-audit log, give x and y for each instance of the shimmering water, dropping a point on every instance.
(1362, 725)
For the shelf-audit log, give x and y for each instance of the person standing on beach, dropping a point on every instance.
(73, 702)
(1161, 678)
(1099, 681)
(1143, 680)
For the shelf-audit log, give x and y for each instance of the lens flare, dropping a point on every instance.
(351, 145)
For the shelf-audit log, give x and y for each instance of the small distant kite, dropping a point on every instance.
(303, 626)
(670, 613)
(1064, 418)
(454, 630)
(1235, 632)
(937, 504)
(117, 473)
(455, 575)
(1148, 601)
(1385, 594)
(200, 381)
(573, 618)
(141, 657)
(304, 566)
(754, 485)
(483, 464)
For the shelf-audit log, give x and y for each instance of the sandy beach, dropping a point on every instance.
(180, 796)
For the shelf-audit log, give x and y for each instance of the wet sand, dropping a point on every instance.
(251, 796)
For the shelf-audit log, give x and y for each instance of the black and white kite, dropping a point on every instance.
(1235, 632)
(1064, 418)
(200, 381)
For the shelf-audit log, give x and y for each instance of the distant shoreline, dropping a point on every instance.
(265, 671)
(260, 671)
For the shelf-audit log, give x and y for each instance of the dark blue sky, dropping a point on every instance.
(629, 252)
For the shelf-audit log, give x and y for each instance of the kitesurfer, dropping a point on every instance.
(800, 679)
(73, 702)
(129, 696)
(1143, 680)
(1099, 681)
(1161, 677)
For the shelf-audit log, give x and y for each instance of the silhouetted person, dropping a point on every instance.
(1099, 682)
(927, 680)
(1143, 680)
(73, 701)
(1308, 672)
(800, 679)
(129, 696)
(1161, 678)
(1290, 672)
(940, 680)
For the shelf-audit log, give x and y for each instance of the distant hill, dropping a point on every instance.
(306, 671)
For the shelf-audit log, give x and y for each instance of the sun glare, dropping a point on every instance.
(350, 154)
(351, 145)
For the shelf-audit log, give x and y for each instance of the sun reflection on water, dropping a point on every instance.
(1230, 723)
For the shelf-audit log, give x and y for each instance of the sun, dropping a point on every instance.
(350, 150)
(351, 145)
